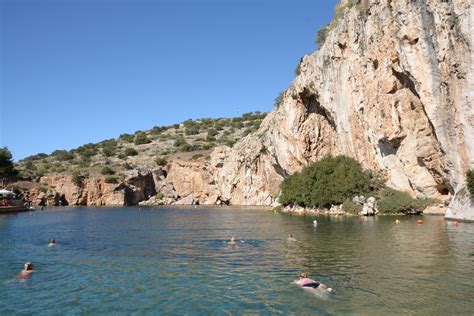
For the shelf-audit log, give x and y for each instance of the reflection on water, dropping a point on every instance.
(178, 261)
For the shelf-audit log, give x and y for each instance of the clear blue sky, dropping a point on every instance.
(80, 71)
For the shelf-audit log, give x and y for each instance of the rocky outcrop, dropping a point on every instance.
(461, 207)
(392, 87)
(64, 189)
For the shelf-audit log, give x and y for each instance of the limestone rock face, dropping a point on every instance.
(193, 179)
(461, 207)
(391, 87)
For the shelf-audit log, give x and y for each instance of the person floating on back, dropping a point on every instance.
(26, 272)
(52, 243)
(304, 281)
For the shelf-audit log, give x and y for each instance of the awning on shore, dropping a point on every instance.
(4, 192)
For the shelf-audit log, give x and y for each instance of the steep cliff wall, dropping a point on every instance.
(392, 87)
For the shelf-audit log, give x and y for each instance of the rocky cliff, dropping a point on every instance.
(392, 86)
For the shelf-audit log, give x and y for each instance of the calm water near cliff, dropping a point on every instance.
(175, 261)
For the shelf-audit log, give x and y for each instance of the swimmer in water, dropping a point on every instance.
(232, 242)
(291, 238)
(52, 243)
(26, 272)
(304, 281)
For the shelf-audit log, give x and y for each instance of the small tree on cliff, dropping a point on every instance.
(6, 164)
(470, 182)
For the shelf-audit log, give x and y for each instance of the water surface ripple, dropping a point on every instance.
(176, 261)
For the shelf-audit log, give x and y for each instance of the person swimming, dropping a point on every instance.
(52, 243)
(291, 238)
(304, 281)
(232, 241)
(26, 272)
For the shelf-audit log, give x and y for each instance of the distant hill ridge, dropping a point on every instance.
(143, 148)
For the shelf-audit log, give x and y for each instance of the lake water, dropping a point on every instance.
(176, 261)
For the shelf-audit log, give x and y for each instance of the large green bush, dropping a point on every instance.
(331, 180)
(394, 201)
(470, 182)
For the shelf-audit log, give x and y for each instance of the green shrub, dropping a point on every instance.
(159, 196)
(210, 138)
(277, 209)
(107, 170)
(130, 151)
(6, 163)
(109, 143)
(321, 36)
(193, 130)
(393, 201)
(127, 138)
(36, 157)
(279, 99)
(196, 157)
(212, 132)
(208, 146)
(141, 138)
(63, 155)
(161, 161)
(298, 69)
(88, 153)
(111, 179)
(329, 181)
(108, 151)
(180, 141)
(78, 179)
(470, 182)
(350, 207)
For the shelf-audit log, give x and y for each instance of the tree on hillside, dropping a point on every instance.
(6, 164)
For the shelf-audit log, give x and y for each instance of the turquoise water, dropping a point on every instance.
(175, 261)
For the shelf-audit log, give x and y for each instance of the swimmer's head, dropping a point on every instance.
(290, 235)
(304, 275)
(232, 238)
(53, 241)
(28, 266)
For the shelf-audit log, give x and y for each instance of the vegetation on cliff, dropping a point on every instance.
(394, 201)
(332, 180)
(339, 12)
(470, 182)
(147, 149)
(336, 180)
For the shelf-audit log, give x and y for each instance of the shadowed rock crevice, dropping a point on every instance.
(389, 146)
(312, 104)
(407, 81)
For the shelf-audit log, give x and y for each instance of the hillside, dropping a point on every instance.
(143, 149)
